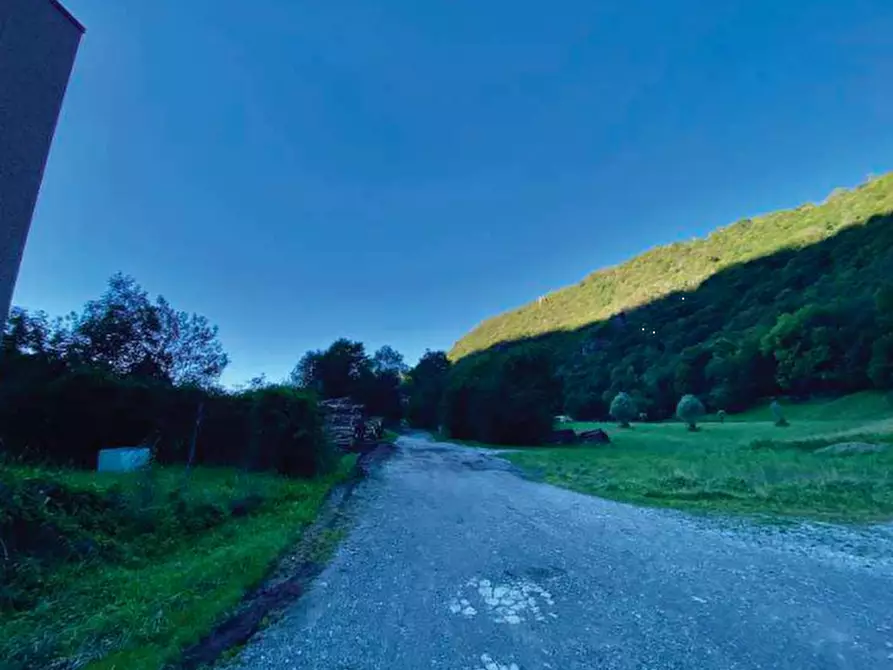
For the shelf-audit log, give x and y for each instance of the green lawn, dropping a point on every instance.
(746, 465)
(142, 599)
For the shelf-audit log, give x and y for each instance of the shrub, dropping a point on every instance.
(778, 413)
(689, 410)
(623, 409)
(287, 433)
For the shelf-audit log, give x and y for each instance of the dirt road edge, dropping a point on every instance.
(292, 574)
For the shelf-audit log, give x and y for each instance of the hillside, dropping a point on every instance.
(681, 266)
(797, 304)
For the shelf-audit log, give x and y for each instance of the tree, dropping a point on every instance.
(125, 333)
(120, 331)
(190, 350)
(810, 350)
(503, 398)
(425, 386)
(345, 371)
(26, 333)
(623, 409)
(380, 386)
(689, 410)
(306, 374)
(388, 360)
(880, 368)
(337, 372)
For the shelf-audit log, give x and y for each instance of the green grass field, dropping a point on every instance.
(161, 590)
(745, 465)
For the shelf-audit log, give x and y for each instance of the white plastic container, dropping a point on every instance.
(125, 459)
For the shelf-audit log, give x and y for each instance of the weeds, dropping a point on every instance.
(161, 566)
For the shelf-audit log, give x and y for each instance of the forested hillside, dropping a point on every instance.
(681, 266)
(796, 303)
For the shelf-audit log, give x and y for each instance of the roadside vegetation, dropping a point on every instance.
(125, 570)
(746, 464)
(101, 570)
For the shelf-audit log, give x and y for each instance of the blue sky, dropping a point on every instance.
(398, 171)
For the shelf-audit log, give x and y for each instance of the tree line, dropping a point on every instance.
(128, 369)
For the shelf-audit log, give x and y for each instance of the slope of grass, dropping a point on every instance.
(142, 597)
(864, 406)
(680, 266)
(745, 465)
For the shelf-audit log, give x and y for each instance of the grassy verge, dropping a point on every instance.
(163, 566)
(746, 465)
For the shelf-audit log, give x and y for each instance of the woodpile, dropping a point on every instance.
(568, 436)
(597, 436)
(343, 422)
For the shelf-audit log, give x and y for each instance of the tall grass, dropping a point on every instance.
(146, 596)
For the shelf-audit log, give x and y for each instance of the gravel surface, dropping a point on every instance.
(455, 562)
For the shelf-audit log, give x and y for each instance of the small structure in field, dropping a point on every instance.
(123, 459)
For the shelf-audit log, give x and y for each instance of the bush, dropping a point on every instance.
(689, 410)
(623, 409)
(287, 433)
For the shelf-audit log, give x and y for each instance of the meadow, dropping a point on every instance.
(745, 465)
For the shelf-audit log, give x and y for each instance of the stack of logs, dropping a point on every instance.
(346, 426)
(343, 422)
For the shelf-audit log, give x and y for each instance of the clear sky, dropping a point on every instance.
(397, 171)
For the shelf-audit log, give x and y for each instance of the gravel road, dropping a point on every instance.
(455, 562)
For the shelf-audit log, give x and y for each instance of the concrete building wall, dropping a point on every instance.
(38, 43)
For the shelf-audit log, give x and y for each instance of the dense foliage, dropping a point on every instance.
(683, 266)
(425, 386)
(502, 398)
(127, 372)
(125, 334)
(797, 303)
(345, 370)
